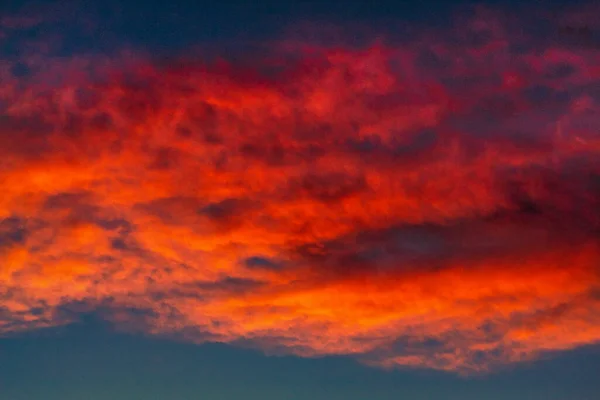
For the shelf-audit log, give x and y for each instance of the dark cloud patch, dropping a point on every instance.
(272, 151)
(430, 61)
(562, 199)
(421, 142)
(223, 214)
(75, 309)
(102, 121)
(269, 152)
(577, 35)
(470, 83)
(202, 124)
(479, 38)
(546, 96)
(228, 285)
(183, 131)
(193, 333)
(560, 71)
(81, 207)
(386, 250)
(366, 146)
(105, 314)
(328, 188)
(403, 149)
(118, 244)
(114, 224)
(260, 262)
(172, 210)
(13, 231)
(87, 99)
(304, 129)
(32, 132)
(165, 158)
(523, 200)
(20, 70)
(529, 227)
(225, 210)
(526, 205)
(67, 200)
(210, 137)
(496, 107)
(73, 126)
(142, 97)
(532, 320)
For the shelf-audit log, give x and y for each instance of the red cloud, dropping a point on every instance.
(413, 205)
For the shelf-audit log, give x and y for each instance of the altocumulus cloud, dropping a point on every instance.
(430, 203)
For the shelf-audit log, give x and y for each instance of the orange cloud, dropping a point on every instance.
(412, 205)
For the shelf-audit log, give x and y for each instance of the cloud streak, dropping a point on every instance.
(430, 203)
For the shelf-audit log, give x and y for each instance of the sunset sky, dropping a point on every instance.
(299, 200)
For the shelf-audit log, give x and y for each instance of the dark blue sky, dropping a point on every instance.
(171, 26)
(89, 361)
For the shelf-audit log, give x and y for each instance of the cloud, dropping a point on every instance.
(424, 203)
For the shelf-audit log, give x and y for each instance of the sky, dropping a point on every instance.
(293, 200)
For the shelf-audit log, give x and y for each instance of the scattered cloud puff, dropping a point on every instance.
(430, 203)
